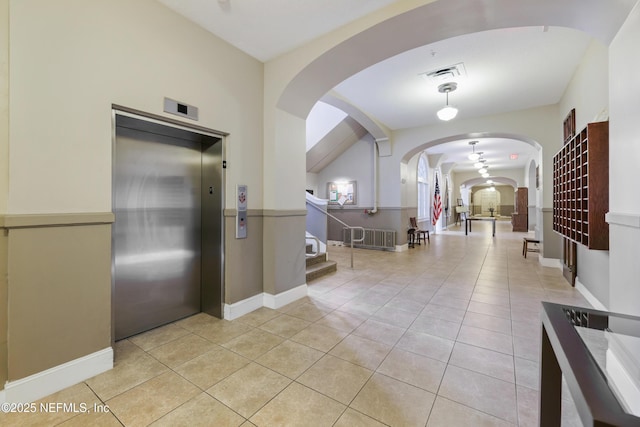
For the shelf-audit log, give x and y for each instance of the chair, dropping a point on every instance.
(526, 248)
(461, 214)
(411, 237)
(421, 234)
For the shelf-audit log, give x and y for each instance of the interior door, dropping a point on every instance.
(569, 265)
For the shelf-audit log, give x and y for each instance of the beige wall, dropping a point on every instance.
(284, 250)
(243, 267)
(507, 194)
(506, 199)
(284, 202)
(624, 157)
(4, 180)
(70, 60)
(285, 163)
(588, 93)
(4, 318)
(4, 104)
(60, 299)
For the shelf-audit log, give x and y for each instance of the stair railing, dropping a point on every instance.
(344, 224)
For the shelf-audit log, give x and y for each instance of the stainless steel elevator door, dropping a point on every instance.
(157, 232)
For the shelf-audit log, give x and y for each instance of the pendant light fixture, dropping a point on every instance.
(447, 112)
(474, 157)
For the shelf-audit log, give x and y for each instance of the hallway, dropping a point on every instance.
(446, 334)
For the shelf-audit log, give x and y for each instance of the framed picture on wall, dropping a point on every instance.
(342, 193)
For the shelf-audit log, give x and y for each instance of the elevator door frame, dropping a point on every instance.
(211, 300)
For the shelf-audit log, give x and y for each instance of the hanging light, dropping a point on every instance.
(479, 164)
(474, 157)
(485, 175)
(447, 112)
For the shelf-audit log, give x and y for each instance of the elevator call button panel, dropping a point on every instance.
(241, 217)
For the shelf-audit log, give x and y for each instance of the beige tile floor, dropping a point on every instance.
(446, 334)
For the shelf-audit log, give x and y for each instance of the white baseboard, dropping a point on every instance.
(550, 262)
(240, 308)
(284, 298)
(402, 248)
(595, 302)
(59, 377)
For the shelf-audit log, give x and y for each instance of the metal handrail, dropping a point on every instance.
(352, 229)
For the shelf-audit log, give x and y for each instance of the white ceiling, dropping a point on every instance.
(268, 28)
(506, 70)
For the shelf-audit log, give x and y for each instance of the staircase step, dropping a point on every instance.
(318, 270)
(321, 257)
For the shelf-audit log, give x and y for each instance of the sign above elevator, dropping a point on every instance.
(180, 109)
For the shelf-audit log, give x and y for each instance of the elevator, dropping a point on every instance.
(167, 239)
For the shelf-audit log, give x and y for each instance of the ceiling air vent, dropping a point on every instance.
(445, 74)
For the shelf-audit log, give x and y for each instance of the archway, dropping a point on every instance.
(461, 189)
(452, 18)
(296, 81)
(497, 179)
(471, 135)
(500, 199)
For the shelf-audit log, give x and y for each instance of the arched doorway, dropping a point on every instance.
(296, 82)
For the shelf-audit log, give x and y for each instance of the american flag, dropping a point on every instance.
(437, 203)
